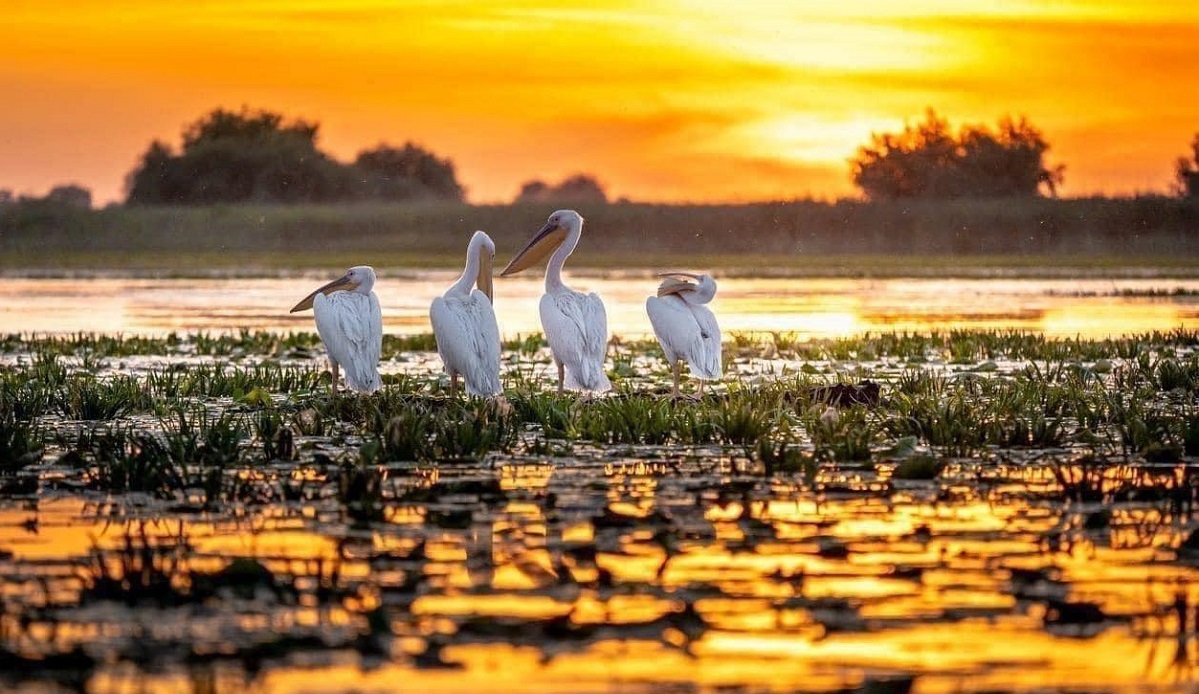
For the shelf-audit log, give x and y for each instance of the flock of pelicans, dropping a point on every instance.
(350, 321)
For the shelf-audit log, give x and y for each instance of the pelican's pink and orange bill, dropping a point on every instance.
(673, 285)
(341, 283)
(543, 243)
(484, 279)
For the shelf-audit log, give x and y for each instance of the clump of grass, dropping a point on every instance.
(275, 438)
(87, 398)
(843, 435)
(20, 443)
(126, 461)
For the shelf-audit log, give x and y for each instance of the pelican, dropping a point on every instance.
(468, 339)
(575, 323)
(685, 327)
(350, 323)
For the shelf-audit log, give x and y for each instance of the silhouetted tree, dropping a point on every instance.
(71, 195)
(926, 160)
(410, 171)
(580, 188)
(6, 196)
(229, 156)
(1187, 172)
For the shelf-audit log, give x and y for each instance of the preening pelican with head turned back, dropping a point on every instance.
(350, 323)
(685, 327)
(463, 319)
(575, 324)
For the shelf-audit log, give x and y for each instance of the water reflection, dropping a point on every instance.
(811, 307)
(542, 575)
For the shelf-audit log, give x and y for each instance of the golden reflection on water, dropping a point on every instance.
(813, 308)
(796, 588)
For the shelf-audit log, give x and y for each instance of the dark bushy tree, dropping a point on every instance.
(580, 188)
(392, 173)
(71, 195)
(927, 160)
(1187, 172)
(258, 156)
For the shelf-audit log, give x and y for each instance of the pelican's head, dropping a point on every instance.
(482, 244)
(360, 278)
(558, 227)
(701, 291)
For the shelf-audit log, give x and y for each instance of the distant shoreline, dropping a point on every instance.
(1084, 237)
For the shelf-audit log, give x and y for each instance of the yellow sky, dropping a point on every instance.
(682, 100)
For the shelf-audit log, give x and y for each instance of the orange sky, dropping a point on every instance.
(682, 100)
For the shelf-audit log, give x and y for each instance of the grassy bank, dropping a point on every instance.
(1091, 235)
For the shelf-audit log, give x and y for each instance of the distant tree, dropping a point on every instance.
(392, 173)
(241, 156)
(927, 160)
(580, 188)
(258, 156)
(6, 196)
(71, 195)
(1187, 172)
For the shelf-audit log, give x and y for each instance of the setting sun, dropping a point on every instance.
(670, 101)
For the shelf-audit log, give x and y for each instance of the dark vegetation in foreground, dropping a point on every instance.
(423, 234)
(1129, 398)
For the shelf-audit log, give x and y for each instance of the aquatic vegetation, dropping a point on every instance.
(85, 397)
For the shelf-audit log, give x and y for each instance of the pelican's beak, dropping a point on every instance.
(673, 285)
(484, 278)
(538, 249)
(343, 282)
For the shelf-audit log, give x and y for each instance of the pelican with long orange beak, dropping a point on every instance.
(463, 319)
(575, 324)
(350, 323)
(685, 327)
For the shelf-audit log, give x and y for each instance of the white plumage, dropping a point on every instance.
(463, 319)
(350, 323)
(576, 328)
(575, 324)
(685, 327)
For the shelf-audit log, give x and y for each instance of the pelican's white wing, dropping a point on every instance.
(351, 326)
(686, 332)
(576, 327)
(468, 340)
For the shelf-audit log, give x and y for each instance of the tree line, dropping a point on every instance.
(260, 156)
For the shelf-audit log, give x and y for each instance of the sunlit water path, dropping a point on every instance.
(811, 307)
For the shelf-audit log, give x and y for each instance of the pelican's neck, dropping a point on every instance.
(553, 269)
(470, 274)
(704, 292)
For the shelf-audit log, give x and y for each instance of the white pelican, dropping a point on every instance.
(575, 323)
(468, 339)
(686, 328)
(350, 323)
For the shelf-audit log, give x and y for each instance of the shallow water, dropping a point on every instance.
(809, 307)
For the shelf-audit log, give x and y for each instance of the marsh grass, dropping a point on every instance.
(20, 443)
(216, 415)
(842, 237)
(88, 398)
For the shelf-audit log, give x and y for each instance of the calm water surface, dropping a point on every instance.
(810, 307)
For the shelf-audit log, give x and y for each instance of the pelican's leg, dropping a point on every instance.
(678, 368)
(453, 384)
(701, 387)
(561, 377)
(336, 375)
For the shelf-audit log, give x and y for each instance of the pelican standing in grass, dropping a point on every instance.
(685, 327)
(575, 324)
(350, 323)
(468, 339)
